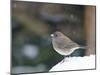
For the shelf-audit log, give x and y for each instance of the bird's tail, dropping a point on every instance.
(82, 47)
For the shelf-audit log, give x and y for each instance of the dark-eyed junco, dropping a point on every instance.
(63, 45)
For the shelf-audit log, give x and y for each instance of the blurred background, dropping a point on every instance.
(32, 24)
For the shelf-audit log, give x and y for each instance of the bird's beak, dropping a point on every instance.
(52, 35)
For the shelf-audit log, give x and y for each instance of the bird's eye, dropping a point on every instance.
(56, 35)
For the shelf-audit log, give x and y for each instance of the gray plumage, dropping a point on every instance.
(62, 44)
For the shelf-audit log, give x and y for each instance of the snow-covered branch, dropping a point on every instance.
(75, 63)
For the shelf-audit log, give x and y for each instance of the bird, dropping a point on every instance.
(63, 44)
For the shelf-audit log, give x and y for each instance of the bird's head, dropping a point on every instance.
(57, 34)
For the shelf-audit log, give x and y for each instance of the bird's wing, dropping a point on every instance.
(67, 44)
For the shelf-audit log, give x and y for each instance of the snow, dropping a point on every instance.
(75, 63)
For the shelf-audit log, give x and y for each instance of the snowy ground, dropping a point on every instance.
(75, 63)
